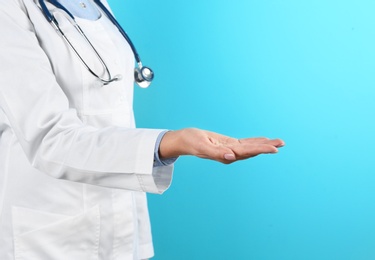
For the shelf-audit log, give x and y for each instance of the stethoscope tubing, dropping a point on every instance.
(143, 75)
(119, 27)
(50, 18)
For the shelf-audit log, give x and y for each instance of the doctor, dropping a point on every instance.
(74, 170)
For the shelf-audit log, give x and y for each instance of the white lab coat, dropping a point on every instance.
(73, 168)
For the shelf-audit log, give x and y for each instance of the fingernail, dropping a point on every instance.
(229, 157)
(275, 151)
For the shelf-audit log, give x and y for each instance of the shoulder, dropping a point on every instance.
(9, 6)
(14, 12)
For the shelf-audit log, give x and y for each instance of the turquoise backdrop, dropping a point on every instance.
(303, 71)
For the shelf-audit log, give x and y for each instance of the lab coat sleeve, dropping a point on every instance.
(51, 134)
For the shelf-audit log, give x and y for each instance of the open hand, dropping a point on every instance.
(214, 146)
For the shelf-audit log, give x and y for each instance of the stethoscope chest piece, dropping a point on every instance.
(143, 76)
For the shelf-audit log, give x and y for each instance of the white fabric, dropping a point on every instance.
(73, 168)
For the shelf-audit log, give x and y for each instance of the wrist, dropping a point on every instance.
(171, 145)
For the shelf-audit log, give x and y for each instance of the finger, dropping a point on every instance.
(276, 142)
(254, 140)
(230, 156)
(216, 152)
(263, 140)
(250, 150)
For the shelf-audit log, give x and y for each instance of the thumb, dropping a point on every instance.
(230, 156)
(227, 154)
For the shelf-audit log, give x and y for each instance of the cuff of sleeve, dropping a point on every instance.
(146, 251)
(152, 179)
(161, 162)
(159, 181)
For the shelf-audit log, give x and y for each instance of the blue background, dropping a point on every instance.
(300, 70)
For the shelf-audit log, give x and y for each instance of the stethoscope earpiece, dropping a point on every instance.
(143, 76)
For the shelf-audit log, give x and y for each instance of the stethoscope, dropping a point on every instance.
(142, 75)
